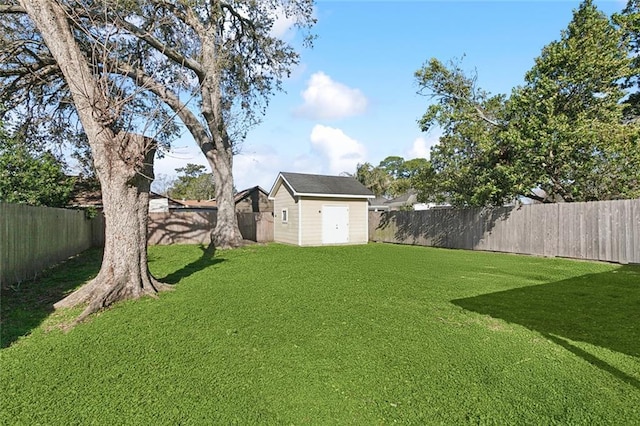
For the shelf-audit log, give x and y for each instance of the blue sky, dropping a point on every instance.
(353, 96)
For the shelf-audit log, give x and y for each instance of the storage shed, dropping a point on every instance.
(314, 210)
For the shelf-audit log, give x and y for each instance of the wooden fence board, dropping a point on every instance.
(35, 238)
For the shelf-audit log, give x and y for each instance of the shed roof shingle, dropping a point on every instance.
(324, 185)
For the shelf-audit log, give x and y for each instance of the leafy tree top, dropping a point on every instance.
(30, 177)
(193, 184)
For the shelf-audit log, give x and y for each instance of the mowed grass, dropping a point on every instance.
(373, 334)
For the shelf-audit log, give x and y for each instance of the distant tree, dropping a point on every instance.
(373, 178)
(425, 182)
(406, 178)
(392, 177)
(30, 177)
(193, 184)
(394, 166)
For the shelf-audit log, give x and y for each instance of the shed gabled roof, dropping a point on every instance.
(302, 184)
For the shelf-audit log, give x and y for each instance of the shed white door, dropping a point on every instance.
(335, 224)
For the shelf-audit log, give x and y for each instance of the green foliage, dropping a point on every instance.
(629, 23)
(32, 178)
(193, 184)
(414, 336)
(90, 212)
(467, 164)
(373, 178)
(560, 137)
(392, 177)
(566, 122)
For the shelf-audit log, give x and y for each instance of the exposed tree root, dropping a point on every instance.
(104, 290)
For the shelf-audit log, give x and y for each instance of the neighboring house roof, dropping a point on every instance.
(211, 204)
(88, 194)
(246, 192)
(302, 184)
(408, 198)
(378, 203)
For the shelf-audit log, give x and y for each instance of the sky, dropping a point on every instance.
(353, 97)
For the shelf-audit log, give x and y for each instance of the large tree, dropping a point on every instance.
(129, 68)
(559, 137)
(123, 159)
(468, 164)
(566, 123)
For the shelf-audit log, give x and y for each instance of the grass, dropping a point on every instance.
(371, 334)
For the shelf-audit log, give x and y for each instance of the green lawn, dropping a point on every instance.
(371, 334)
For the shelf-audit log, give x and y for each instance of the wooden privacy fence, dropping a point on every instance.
(603, 230)
(196, 227)
(35, 238)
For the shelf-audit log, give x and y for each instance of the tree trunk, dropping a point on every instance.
(226, 233)
(218, 146)
(125, 194)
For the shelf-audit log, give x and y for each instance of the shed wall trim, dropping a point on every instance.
(299, 221)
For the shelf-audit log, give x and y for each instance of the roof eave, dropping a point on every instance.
(323, 195)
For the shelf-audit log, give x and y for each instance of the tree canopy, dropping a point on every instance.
(392, 177)
(35, 178)
(193, 183)
(562, 136)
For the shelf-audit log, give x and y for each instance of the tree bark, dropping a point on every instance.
(124, 165)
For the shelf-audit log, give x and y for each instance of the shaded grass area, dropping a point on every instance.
(371, 334)
(25, 305)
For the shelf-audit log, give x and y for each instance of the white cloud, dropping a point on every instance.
(260, 167)
(342, 152)
(328, 99)
(421, 147)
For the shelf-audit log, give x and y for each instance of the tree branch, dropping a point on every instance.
(189, 119)
(170, 53)
(9, 8)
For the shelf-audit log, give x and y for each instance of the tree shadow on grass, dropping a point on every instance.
(24, 305)
(206, 259)
(600, 309)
